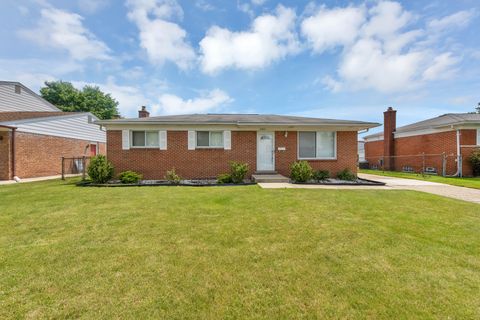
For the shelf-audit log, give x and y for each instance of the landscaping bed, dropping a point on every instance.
(339, 182)
(165, 183)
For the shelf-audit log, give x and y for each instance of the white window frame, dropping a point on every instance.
(209, 139)
(478, 137)
(317, 158)
(145, 133)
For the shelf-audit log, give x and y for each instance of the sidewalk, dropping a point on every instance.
(3, 182)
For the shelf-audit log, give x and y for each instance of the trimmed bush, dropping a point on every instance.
(173, 177)
(301, 171)
(129, 177)
(238, 171)
(99, 169)
(321, 175)
(475, 162)
(347, 175)
(224, 178)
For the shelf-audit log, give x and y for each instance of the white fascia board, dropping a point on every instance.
(232, 127)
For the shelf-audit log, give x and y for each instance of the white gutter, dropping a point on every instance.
(459, 156)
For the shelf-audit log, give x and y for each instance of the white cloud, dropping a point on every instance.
(270, 38)
(172, 104)
(380, 50)
(457, 20)
(129, 98)
(204, 5)
(258, 2)
(64, 30)
(441, 67)
(33, 72)
(163, 40)
(330, 28)
(92, 6)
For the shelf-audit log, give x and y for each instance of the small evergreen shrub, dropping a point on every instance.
(129, 177)
(224, 178)
(173, 177)
(238, 171)
(475, 162)
(301, 171)
(99, 169)
(321, 175)
(347, 175)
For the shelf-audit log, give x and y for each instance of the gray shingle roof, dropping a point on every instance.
(444, 120)
(239, 119)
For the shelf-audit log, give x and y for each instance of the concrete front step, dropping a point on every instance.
(265, 178)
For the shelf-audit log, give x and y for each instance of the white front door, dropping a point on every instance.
(265, 151)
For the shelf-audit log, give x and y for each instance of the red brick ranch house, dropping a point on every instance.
(202, 145)
(423, 145)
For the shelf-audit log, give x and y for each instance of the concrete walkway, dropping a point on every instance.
(460, 193)
(37, 179)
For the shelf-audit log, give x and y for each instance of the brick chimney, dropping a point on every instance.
(389, 127)
(143, 113)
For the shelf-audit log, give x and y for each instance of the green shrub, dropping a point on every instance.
(129, 177)
(300, 171)
(238, 171)
(99, 169)
(347, 175)
(173, 177)
(321, 175)
(475, 161)
(224, 178)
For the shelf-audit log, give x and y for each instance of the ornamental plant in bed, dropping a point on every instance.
(129, 177)
(301, 171)
(100, 170)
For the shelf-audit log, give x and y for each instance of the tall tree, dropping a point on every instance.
(478, 107)
(90, 99)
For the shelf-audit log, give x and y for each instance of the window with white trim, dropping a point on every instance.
(210, 139)
(145, 139)
(317, 145)
(478, 137)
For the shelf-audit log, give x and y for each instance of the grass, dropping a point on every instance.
(235, 252)
(461, 182)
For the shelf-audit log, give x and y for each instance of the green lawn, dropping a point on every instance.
(235, 252)
(461, 182)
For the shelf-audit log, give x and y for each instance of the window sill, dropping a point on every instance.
(157, 147)
(221, 148)
(317, 159)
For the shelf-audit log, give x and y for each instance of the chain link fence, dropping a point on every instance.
(75, 166)
(436, 164)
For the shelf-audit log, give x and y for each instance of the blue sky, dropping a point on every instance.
(332, 59)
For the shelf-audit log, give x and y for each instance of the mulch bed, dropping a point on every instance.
(337, 182)
(165, 183)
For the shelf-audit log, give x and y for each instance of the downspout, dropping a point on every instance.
(459, 164)
(13, 153)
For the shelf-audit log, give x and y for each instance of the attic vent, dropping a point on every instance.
(18, 89)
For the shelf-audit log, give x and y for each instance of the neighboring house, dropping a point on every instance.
(201, 145)
(423, 144)
(35, 135)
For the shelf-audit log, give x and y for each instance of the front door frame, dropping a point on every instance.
(259, 133)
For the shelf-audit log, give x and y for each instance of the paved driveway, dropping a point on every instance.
(446, 190)
(461, 193)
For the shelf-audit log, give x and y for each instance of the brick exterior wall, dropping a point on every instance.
(208, 163)
(430, 144)
(39, 155)
(5, 154)
(347, 153)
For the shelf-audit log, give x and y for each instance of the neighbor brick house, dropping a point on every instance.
(201, 145)
(35, 135)
(438, 145)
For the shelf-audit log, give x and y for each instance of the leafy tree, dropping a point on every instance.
(90, 99)
(478, 108)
